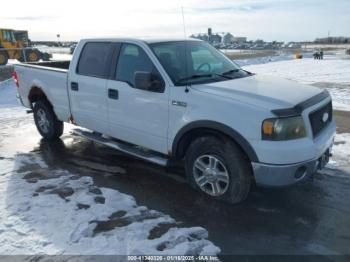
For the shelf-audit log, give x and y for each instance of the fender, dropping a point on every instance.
(230, 132)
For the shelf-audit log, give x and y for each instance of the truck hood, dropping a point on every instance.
(264, 91)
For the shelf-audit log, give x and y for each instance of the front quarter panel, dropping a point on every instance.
(194, 105)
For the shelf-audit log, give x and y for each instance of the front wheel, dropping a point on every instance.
(219, 168)
(46, 121)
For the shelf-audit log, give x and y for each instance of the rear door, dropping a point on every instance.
(87, 86)
(137, 116)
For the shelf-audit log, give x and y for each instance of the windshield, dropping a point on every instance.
(194, 62)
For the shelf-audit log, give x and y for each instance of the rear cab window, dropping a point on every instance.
(93, 60)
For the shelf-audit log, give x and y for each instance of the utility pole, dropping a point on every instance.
(58, 39)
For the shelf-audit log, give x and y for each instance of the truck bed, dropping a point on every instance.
(49, 65)
(51, 78)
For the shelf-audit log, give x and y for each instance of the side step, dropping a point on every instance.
(125, 148)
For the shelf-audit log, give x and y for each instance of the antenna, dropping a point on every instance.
(185, 35)
(183, 21)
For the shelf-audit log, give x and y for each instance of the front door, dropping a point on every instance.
(137, 116)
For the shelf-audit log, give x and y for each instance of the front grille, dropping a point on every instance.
(318, 118)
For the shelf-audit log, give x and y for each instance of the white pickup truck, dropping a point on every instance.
(174, 100)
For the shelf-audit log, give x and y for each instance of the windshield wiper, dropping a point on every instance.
(195, 76)
(230, 71)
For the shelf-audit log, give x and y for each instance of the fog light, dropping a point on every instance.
(301, 172)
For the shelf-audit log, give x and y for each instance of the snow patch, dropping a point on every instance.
(8, 94)
(44, 216)
(309, 71)
(341, 151)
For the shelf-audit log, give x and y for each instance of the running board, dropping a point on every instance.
(125, 148)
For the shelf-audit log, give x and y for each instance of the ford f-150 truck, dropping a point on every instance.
(183, 101)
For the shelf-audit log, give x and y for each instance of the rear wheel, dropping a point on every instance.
(3, 58)
(46, 121)
(218, 168)
(30, 56)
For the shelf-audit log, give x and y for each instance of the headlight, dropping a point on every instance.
(283, 128)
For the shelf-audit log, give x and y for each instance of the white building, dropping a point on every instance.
(227, 39)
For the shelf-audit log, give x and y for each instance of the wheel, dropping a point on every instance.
(3, 58)
(46, 121)
(218, 168)
(32, 56)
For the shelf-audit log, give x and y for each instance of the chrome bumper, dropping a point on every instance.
(285, 175)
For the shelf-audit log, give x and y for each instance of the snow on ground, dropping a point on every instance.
(56, 212)
(8, 94)
(341, 152)
(308, 70)
(61, 57)
(331, 73)
(47, 210)
(264, 60)
(53, 50)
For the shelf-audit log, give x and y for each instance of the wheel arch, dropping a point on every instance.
(35, 94)
(204, 127)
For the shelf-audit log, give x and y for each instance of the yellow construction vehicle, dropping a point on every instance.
(12, 44)
(22, 37)
(298, 55)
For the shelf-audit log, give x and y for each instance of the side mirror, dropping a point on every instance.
(143, 80)
(148, 81)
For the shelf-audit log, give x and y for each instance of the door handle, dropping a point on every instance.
(74, 86)
(113, 94)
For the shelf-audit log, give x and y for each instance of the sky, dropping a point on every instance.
(282, 20)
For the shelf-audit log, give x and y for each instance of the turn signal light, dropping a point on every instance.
(268, 128)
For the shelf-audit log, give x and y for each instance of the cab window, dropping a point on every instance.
(93, 60)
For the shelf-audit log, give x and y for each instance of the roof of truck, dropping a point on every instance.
(147, 40)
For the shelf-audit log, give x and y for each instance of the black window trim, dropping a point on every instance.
(116, 55)
(117, 46)
(108, 62)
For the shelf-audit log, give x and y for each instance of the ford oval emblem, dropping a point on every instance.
(325, 117)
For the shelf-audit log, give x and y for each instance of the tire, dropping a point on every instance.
(46, 122)
(221, 167)
(3, 58)
(32, 56)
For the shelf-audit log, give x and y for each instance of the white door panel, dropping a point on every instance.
(89, 103)
(87, 86)
(139, 117)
